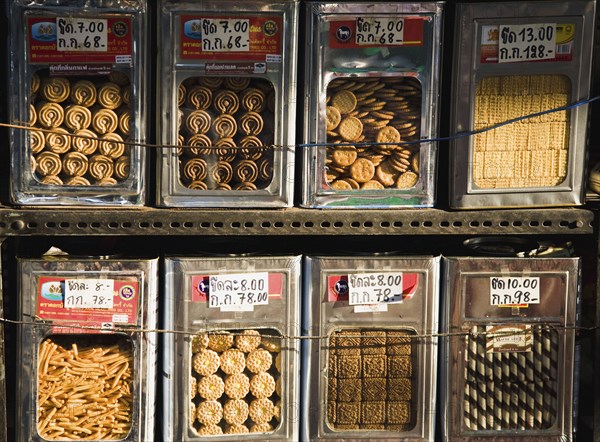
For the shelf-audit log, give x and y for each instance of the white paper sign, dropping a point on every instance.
(375, 288)
(225, 34)
(379, 30)
(81, 34)
(89, 293)
(514, 290)
(238, 289)
(526, 42)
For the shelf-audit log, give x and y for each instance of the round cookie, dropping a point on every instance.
(237, 429)
(341, 185)
(206, 362)
(199, 342)
(211, 387)
(261, 428)
(235, 411)
(259, 360)
(407, 180)
(344, 156)
(248, 340)
(220, 341)
(262, 385)
(350, 128)
(345, 101)
(333, 117)
(388, 134)
(232, 361)
(209, 412)
(210, 430)
(362, 170)
(261, 410)
(237, 386)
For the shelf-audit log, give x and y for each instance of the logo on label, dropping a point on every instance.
(193, 29)
(52, 291)
(203, 287)
(44, 31)
(127, 292)
(270, 28)
(341, 287)
(343, 33)
(120, 29)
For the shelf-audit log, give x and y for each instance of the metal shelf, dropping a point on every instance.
(294, 221)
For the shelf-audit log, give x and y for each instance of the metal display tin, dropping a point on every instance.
(508, 364)
(371, 92)
(90, 373)
(369, 368)
(515, 59)
(77, 85)
(227, 91)
(231, 370)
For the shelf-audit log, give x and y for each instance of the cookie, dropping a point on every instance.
(350, 128)
(333, 117)
(407, 180)
(362, 170)
(344, 156)
(386, 174)
(345, 101)
(388, 134)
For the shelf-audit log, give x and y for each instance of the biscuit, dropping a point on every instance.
(220, 341)
(400, 389)
(209, 412)
(237, 429)
(192, 416)
(261, 410)
(262, 385)
(340, 185)
(388, 134)
(398, 412)
(374, 366)
(344, 156)
(237, 386)
(350, 128)
(373, 412)
(248, 340)
(206, 362)
(235, 411)
(374, 389)
(399, 366)
(333, 117)
(193, 387)
(348, 412)
(386, 174)
(261, 428)
(349, 390)
(372, 185)
(211, 387)
(345, 101)
(271, 343)
(232, 361)
(373, 342)
(407, 180)
(362, 170)
(348, 367)
(210, 430)
(259, 360)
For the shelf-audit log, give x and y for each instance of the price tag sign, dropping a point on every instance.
(526, 42)
(81, 34)
(89, 293)
(225, 34)
(379, 30)
(238, 290)
(375, 288)
(514, 290)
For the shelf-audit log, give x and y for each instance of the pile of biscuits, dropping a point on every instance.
(225, 128)
(235, 382)
(371, 380)
(84, 121)
(384, 111)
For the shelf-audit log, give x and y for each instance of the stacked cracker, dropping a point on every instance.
(529, 153)
(371, 380)
(383, 110)
(226, 124)
(235, 383)
(85, 121)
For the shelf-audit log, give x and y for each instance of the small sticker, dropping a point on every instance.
(89, 293)
(509, 338)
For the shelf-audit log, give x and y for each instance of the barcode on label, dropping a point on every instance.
(564, 48)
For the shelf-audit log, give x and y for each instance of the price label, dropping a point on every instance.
(514, 290)
(238, 290)
(81, 34)
(375, 288)
(526, 42)
(89, 293)
(225, 35)
(379, 30)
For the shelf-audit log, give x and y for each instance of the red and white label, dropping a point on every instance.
(373, 32)
(339, 288)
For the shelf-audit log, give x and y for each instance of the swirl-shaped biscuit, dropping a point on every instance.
(248, 340)
(48, 163)
(211, 387)
(83, 93)
(199, 144)
(101, 166)
(237, 84)
(75, 164)
(126, 95)
(259, 360)
(235, 411)
(211, 82)
(122, 166)
(225, 149)
(52, 180)
(199, 342)
(195, 169)
(197, 185)
(85, 141)
(223, 186)
(206, 362)
(37, 141)
(251, 148)
(261, 410)
(232, 361)
(262, 385)
(181, 94)
(124, 116)
(246, 186)
(245, 171)
(198, 122)
(77, 117)
(104, 121)
(221, 172)
(109, 95)
(50, 115)
(209, 412)
(251, 123)
(199, 97)
(265, 169)
(253, 99)
(35, 83)
(108, 181)
(58, 141)
(237, 429)
(77, 181)
(56, 89)
(261, 428)
(225, 126)
(237, 386)
(119, 78)
(220, 341)
(32, 115)
(226, 102)
(111, 145)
